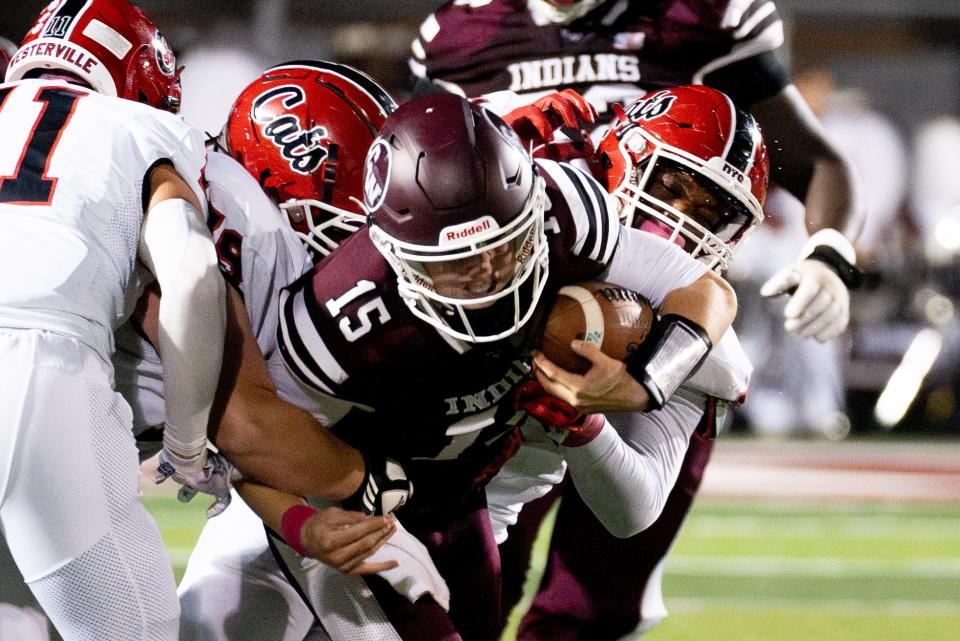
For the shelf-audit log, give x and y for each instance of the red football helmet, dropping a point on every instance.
(456, 206)
(302, 129)
(110, 44)
(685, 163)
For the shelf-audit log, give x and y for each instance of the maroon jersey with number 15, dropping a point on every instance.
(442, 407)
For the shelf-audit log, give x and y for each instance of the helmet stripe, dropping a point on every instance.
(367, 84)
(741, 147)
(62, 23)
(733, 127)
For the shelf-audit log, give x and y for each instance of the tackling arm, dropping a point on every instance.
(263, 436)
(709, 301)
(176, 246)
(697, 307)
(626, 473)
(805, 163)
(341, 539)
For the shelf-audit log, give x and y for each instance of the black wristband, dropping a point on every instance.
(849, 274)
(385, 487)
(677, 348)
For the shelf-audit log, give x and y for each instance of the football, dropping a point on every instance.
(611, 317)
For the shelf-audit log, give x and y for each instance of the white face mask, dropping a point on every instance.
(562, 15)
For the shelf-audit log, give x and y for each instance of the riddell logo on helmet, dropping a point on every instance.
(463, 231)
(67, 53)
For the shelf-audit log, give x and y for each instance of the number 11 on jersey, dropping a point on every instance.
(28, 183)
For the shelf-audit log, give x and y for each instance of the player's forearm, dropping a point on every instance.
(804, 162)
(177, 248)
(285, 448)
(709, 301)
(626, 474)
(833, 200)
(191, 348)
(269, 439)
(268, 503)
(626, 485)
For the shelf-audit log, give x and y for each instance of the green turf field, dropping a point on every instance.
(764, 571)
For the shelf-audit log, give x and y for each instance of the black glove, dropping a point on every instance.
(384, 490)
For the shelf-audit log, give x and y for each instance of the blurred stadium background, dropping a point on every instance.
(831, 510)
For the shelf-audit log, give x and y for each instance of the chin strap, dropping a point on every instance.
(679, 347)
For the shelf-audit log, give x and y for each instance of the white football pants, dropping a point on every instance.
(69, 504)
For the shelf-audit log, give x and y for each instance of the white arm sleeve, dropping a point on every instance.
(726, 372)
(176, 246)
(626, 474)
(651, 266)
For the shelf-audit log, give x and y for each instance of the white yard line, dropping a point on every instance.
(766, 566)
(765, 526)
(757, 603)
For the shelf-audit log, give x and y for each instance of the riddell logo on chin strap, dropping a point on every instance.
(462, 231)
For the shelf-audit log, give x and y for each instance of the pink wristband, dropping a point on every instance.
(291, 524)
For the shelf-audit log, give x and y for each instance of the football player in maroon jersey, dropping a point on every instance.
(615, 51)
(420, 327)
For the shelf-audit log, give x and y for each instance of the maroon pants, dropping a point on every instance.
(593, 583)
(461, 543)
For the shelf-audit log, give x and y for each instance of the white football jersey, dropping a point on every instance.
(71, 204)
(259, 253)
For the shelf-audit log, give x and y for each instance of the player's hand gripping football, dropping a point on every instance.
(565, 425)
(605, 387)
(216, 478)
(538, 121)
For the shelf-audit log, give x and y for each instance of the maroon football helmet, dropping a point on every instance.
(302, 129)
(109, 44)
(686, 164)
(455, 205)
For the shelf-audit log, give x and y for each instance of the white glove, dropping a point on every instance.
(819, 304)
(215, 478)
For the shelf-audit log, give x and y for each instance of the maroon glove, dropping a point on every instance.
(538, 121)
(565, 424)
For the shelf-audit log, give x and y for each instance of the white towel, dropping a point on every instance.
(416, 575)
